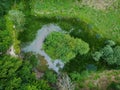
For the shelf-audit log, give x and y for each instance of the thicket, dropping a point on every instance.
(5, 41)
(18, 74)
(109, 53)
(6, 5)
(62, 46)
(114, 86)
(15, 24)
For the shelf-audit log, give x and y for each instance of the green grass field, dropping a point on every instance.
(106, 22)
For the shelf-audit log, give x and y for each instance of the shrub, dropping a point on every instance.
(114, 86)
(117, 54)
(17, 74)
(5, 40)
(110, 42)
(62, 46)
(8, 69)
(14, 24)
(5, 5)
(51, 77)
(107, 52)
(79, 77)
(17, 17)
(31, 58)
(96, 56)
(110, 53)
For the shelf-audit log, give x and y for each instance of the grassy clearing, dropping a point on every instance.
(107, 22)
(69, 14)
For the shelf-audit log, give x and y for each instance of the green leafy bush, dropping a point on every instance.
(5, 40)
(5, 5)
(43, 85)
(114, 86)
(78, 77)
(51, 77)
(17, 17)
(36, 85)
(8, 73)
(31, 58)
(110, 53)
(14, 24)
(96, 56)
(117, 54)
(62, 46)
(17, 74)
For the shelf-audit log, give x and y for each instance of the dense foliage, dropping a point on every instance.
(17, 18)
(5, 40)
(62, 46)
(5, 5)
(18, 74)
(110, 53)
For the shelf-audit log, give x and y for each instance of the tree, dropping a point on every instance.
(15, 21)
(117, 54)
(97, 55)
(8, 73)
(17, 18)
(110, 53)
(62, 46)
(114, 86)
(16, 74)
(5, 40)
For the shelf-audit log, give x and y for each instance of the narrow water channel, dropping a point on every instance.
(36, 46)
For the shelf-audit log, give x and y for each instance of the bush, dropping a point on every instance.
(8, 73)
(5, 40)
(17, 18)
(114, 86)
(31, 58)
(62, 46)
(51, 77)
(96, 56)
(117, 54)
(15, 23)
(5, 5)
(16, 74)
(110, 53)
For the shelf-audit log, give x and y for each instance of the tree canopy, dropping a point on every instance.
(16, 74)
(110, 53)
(5, 40)
(17, 18)
(62, 46)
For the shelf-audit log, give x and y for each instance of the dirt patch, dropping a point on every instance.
(98, 4)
